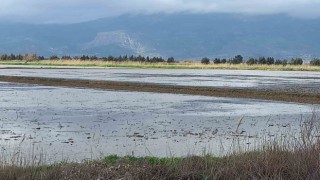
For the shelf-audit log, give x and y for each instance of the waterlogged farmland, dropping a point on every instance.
(291, 81)
(57, 123)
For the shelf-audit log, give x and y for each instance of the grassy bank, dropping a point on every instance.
(181, 65)
(284, 157)
(271, 163)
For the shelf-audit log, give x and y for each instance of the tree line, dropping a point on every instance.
(238, 59)
(139, 58)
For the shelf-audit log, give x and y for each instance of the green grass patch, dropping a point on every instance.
(113, 159)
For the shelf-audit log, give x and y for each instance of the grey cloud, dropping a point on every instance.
(64, 11)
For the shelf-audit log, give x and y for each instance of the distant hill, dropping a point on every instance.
(183, 36)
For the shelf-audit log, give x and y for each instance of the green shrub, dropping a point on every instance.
(205, 60)
(315, 62)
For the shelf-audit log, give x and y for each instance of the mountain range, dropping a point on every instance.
(183, 36)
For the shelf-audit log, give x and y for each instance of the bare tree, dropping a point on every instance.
(30, 57)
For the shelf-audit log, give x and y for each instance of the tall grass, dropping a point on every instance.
(279, 157)
(180, 65)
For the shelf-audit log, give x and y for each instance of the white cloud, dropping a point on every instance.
(45, 11)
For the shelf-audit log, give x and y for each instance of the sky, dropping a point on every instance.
(73, 11)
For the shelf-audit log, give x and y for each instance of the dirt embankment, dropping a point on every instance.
(158, 88)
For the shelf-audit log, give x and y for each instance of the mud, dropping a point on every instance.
(275, 95)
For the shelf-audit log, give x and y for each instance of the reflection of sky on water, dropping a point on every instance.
(86, 123)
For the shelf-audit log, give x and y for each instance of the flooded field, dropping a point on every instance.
(292, 81)
(74, 124)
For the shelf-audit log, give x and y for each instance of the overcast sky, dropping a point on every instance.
(70, 11)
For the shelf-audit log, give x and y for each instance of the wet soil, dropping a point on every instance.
(57, 123)
(275, 95)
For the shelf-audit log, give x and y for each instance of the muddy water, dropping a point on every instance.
(76, 124)
(276, 80)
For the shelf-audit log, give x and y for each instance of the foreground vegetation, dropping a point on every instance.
(274, 162)
(270, 164)
(285, 157)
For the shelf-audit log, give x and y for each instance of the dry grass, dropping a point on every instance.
(295, 157)
(272, 163)
(181, 65)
